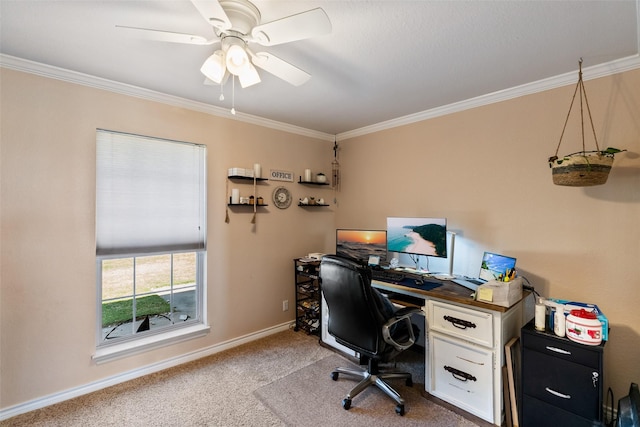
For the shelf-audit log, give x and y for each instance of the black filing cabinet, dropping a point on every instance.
(561, 381)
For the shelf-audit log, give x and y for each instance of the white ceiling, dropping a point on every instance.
(384, 60)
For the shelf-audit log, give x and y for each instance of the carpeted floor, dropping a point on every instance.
(309, 397)
(229, 388)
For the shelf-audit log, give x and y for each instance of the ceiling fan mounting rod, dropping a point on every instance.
(230, 39)
(243, 15)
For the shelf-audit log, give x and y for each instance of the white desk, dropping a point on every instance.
(464, 350)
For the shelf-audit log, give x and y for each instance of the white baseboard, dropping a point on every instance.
(51, 399)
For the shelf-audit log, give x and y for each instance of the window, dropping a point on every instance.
(150, 236)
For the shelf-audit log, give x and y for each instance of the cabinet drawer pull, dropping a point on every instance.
(555, 393)
(459, 323)
(459, 375)
(470, 361)
(558, 350)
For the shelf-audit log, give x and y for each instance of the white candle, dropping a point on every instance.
(235, 196)
(559, 321)
(540, 316)
(257, 170)
(307, 175)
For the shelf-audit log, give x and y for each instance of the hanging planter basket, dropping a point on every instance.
(584, 168)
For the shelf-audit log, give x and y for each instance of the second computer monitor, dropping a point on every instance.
(418, 236)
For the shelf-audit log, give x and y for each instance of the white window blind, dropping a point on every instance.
(150, 195)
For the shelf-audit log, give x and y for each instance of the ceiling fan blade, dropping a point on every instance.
(165, 36)
(213, 13)
(311, 23)
(280, 68)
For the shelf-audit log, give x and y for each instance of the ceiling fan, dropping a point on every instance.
(236, 24)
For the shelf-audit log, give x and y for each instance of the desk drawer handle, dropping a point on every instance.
(555, 393)
(558, 350)
(459, 323)
(459, 375)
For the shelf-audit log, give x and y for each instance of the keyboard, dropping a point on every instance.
(388, 275)
(469, 283)
(404, 278)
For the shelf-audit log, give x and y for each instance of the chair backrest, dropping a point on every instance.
(629, 408)
(356, 312)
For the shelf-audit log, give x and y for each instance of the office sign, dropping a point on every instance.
(278, 175)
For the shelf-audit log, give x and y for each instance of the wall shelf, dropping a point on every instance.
(317, 205)
(311, 182)
(245, 181)
(246, 178)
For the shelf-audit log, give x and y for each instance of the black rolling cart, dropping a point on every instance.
(562, 381)
(307, 283)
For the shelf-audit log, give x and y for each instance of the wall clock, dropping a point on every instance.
(281, 197)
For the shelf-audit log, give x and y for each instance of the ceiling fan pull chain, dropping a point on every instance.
(221, 92)
(233, 95)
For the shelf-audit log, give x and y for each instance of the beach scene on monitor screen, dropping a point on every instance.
(422, 236)
(496, 267)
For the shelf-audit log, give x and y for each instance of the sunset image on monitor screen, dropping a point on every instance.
(360, 244)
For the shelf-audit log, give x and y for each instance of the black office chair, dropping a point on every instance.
(363, 320)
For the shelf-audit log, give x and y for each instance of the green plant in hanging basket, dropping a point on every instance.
(584, 168)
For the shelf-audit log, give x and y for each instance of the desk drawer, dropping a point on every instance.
(536, 413)
(461, 322)
(462, 374)
(573, 387)
(562, 348)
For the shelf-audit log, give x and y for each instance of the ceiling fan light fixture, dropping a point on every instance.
(249, 77)
(237, 60)
(214, 67)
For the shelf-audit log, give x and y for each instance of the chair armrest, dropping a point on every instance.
(402, 315)
(407, 311)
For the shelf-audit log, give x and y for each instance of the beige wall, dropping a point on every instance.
(484, 169)
(48, 246)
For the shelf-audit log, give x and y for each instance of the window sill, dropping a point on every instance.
(125, 349)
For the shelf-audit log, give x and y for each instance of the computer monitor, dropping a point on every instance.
(361, 244)
(417, 236)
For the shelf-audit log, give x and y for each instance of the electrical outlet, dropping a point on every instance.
(285, 305)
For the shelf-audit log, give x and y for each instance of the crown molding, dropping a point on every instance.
(43, 70)
(594, 72)
(590, 73)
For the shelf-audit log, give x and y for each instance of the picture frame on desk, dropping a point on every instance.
(506, 397)
(512, 362)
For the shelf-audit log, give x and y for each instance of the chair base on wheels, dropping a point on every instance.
(373, 377)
